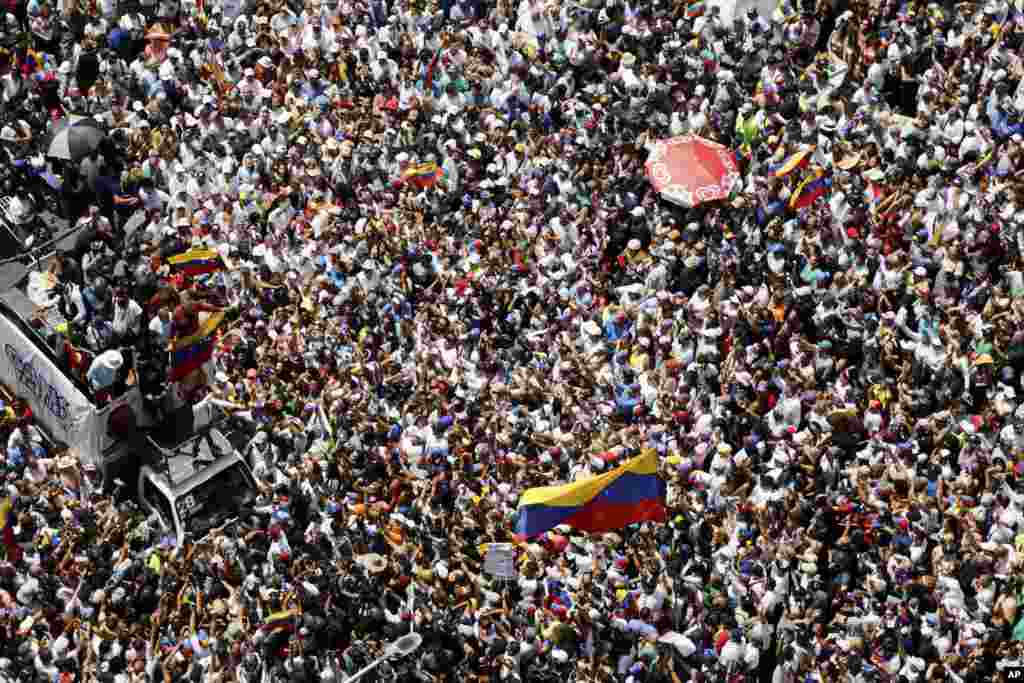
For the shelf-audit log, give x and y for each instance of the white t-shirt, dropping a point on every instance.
(160, 328)
(127, 318)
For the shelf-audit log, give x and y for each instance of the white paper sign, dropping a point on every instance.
(500, 560)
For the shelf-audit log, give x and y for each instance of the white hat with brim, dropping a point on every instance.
(112, 360)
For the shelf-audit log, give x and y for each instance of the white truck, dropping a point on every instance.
(200, 483)
(183, 475)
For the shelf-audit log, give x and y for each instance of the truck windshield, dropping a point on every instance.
(216, 500)
(156, 498)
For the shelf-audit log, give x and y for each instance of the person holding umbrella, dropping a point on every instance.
(74, 137)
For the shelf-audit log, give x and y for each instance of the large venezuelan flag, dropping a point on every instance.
(630, 493)
(190, 353)
(196, 262)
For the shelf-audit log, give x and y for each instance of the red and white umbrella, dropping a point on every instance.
(690, 170)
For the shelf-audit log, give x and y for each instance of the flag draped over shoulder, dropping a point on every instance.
(189, 353)
(196, 262)
(631, 493)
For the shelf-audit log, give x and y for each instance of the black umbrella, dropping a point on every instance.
(74, 137)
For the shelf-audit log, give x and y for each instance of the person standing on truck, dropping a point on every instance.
(127, 320)
(99, 334)
(104, 371)
(98, 260)
(185, 323)
(92, 226)
(186, 317)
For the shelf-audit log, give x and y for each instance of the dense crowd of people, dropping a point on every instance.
(447, 280)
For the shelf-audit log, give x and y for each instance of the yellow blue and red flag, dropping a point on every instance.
(196, 262)
(284, 620)
(189, 353)
(814, 186)
(629, 494)
(423, 175)
(796, 160)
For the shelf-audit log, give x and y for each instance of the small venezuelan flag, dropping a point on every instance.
(6, 504)
(280, 620)
(196, 262)
(33, 62)
(423, 175)
(809, 190)
(794, 161)
(190, 353)
(7, 519)
(631, 493)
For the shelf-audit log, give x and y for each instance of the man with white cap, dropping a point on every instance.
(127, 318)
(105, 370)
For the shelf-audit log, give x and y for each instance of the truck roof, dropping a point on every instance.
(205, 473)
(185, 470)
